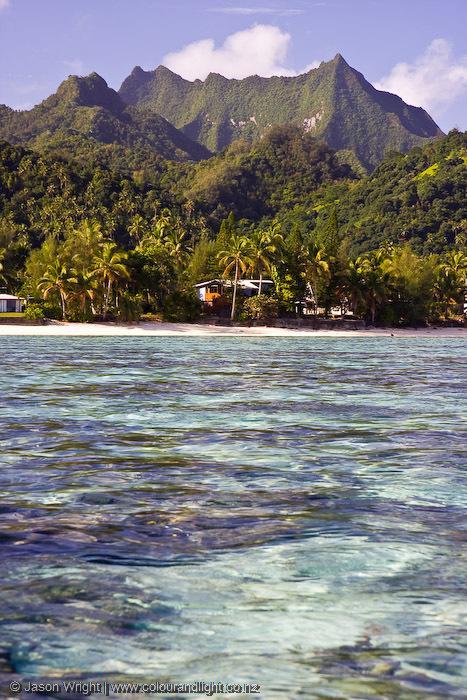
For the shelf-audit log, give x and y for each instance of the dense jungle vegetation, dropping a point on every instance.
(84, 233)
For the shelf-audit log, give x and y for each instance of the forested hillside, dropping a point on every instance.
(283, 169)
(418, 197)
(84, 239)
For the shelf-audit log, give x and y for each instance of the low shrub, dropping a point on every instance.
(182, 307)
(264, 309)
(51, 310)
(130, 308)
(33, 312)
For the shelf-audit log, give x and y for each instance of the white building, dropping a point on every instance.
(10, 304)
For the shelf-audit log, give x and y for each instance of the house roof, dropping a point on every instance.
(262, 281)
(7, 296)
(205, 284)
(249, 284)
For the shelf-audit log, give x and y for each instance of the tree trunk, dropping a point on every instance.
(315, 299)
(104, 304)
(234, 298)
(373, 312)
(62, 300)
(107, 291)
(260, 283)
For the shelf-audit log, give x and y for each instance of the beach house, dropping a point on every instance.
(10, 304)
(214, 289)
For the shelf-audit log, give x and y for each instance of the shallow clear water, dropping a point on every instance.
(285, 511)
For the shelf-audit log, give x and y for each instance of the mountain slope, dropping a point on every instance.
(333, 102)
(87, 107)
(277, 172)
(420, 196)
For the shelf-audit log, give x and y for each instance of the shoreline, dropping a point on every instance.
(142, 330)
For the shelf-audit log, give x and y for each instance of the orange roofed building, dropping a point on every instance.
(214, 289)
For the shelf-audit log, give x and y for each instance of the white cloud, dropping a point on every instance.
(259, 50)
(256, 11)
(434, 80)
(4, 4)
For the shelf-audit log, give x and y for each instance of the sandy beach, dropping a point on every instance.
(58, 328)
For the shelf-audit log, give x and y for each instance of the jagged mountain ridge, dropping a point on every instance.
(87, 107)
(333, 102)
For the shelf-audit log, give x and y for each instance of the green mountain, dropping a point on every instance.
(333, 102)
(85, 112)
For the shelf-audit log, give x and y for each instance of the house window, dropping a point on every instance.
(214, 289)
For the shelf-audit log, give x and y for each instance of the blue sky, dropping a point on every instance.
(416, 48)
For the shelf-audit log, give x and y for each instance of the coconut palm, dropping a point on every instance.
(376, 274)
(264, 247)
(110, 269)
(175, 242)
(451, 279)
(353, 286)
(82, 243)
(161, 223)
(84, 289)
(56, 279)
(235, 257)
(447, 288)
(137, 228)
(316, 268)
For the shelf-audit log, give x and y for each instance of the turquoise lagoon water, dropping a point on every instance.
(290, 512)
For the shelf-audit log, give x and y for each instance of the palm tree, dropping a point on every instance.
(451, 279)
(56, 279)
(175, 243)
(84, 289)
(89, 233)
(353, 285)
(83, 243)
(235, 257)
(376, 273)
(446, 288)
(316, 268)
(264, 246)
(137, 228)
(161, 223)
(110, 268)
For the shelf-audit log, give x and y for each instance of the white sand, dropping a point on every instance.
(58, 328)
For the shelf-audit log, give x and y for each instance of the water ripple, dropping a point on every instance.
(286, 511)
